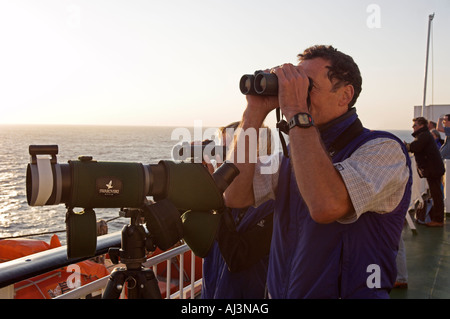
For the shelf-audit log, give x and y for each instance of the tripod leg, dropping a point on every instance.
(147, 285)
(115, 284)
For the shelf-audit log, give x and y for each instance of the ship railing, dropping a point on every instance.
(420, 190)
(24, 268)
(167, 257)
(420, 186)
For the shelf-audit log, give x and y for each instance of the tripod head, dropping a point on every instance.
(136, 240)
(164, 229)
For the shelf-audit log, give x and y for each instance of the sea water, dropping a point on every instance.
(147, 145)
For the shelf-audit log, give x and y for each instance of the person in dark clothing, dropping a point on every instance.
(429, 166)
(236, 266)
(444, 127)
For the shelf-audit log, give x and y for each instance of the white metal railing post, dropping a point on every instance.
(181, 279)
(168, 277)
(192, 274)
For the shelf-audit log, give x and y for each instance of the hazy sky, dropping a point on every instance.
(174, 62)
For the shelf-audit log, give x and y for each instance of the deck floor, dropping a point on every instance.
(428, 263)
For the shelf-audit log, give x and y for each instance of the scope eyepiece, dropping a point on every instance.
(225, 175)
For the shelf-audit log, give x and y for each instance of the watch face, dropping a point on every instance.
(303, 119)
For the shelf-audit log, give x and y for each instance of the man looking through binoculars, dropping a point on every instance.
(342, 194)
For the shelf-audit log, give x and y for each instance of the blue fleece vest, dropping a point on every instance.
(311, 260)
(219, 283)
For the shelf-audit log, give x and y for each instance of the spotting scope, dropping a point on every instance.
(89, 183)
(187, 199)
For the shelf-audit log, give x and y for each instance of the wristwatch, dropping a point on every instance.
(303, 120)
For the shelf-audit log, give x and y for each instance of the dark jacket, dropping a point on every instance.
(236, 266)
(426, 153)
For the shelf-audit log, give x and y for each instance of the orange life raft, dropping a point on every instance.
(53, 283)
(57, 282)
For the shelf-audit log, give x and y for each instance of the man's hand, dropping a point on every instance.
(293, 86)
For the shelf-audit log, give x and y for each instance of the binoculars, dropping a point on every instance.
(260, 83)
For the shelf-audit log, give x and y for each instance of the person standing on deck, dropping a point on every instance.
(338, 214)
(429, 166)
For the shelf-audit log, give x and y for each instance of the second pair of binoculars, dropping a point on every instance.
(260, 83)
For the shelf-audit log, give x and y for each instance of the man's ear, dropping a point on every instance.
(347, 93)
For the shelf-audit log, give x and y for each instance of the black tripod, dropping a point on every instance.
(142, 283)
